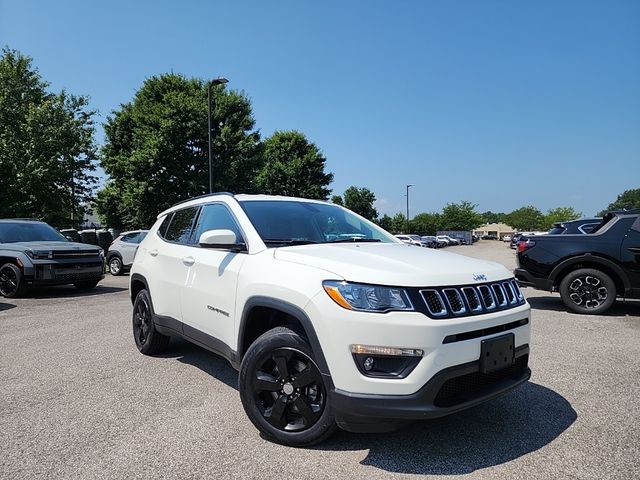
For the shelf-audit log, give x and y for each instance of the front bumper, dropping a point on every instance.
(43, 273)
(526, 279)
(450, 390)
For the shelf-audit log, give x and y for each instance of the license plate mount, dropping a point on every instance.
(497, 353)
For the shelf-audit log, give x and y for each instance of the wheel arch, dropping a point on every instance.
(591, 261)
(112, 254)
(281, 313)
(137, 283)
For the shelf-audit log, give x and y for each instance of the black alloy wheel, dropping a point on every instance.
(588, 291)
(289, 390)
(141, 321)
(148, 340)
(11, 283)
(283, 391)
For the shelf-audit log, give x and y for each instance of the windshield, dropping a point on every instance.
(297, 222)
(11, 232)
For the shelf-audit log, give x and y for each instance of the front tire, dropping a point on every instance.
(11, 281)
(148, 340)
(588, 291)
(283, 392)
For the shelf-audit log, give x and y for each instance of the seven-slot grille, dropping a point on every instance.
(446, 302)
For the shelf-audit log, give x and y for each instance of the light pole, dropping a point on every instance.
(212, 83)
(408, 186)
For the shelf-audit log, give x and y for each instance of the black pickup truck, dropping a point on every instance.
(33, 253)
(590, 271)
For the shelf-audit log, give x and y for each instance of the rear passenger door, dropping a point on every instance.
(630, 253)
(169, 262)
(209, 296)
(128, 246)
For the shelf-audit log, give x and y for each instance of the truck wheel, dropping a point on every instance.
(115, 266)
(11, 281)
(282, 390)
(588, 291)
(148, 340)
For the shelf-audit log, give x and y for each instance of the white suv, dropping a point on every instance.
(330, 320)
(122, 251)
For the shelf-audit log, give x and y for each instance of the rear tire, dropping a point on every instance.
(148, 340)
(283, 392)
(115, 266)
(11, 281)
(588, 291)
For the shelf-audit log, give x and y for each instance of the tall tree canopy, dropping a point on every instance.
(560, 214)
(360, 200)
(46, 146)
(293, 166)
(156, 150)
(460, 216)
(626, 200)
(526, 219)
(426, 223)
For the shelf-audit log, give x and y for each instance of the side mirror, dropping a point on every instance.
(224, 239)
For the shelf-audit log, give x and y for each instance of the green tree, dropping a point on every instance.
(398, 223)
(337, 199)
(47, 146)
(493, 217)
(626, 200)
(385, 222)
(560, 214)
(360, 200)
(156, 149)
(425, 223)
(460, 216)
(293, 166)
(526, 219)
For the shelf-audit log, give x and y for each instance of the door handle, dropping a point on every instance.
(188, 261)
(153, 253)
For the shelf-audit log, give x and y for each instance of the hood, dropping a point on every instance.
(394, 264)
(54, 246)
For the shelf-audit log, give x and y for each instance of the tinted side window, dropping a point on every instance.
(216, 217)
(130, 238)
(162, 229)
(636, 225)
(181, 225)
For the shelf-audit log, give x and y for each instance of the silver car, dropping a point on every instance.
(123, 250)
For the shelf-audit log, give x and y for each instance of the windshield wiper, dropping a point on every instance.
(353, 240)
(281, 241)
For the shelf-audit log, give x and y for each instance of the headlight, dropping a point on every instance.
(367, 298)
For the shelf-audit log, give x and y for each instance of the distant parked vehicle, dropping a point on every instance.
(489, 236)
(506, 238)
(514, 240)
(464, 237)
(32, 253)
(581, 226)
(431, 241)
(123, 250)
(450, 241)
(411, 240)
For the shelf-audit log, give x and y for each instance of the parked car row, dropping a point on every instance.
(429, 241)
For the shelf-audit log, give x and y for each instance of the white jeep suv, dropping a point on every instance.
(330, 320)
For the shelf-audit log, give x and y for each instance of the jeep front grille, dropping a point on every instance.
(447, 302)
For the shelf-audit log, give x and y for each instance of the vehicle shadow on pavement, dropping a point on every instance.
(554, 303)
(69, 291)
(208, 362)
(496, 432)
(6, 306)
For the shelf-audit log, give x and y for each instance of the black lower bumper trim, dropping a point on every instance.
(526, 279)
(451, 390)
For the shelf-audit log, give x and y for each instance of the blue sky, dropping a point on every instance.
(501, 103)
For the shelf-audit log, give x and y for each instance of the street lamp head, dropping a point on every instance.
(219, 81)
(410, 185)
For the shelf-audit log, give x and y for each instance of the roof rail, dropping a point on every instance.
(23, 219)
(203, 196)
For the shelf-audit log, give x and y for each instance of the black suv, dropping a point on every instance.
(34, 253)
(590, 270)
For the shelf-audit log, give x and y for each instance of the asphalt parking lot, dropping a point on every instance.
(77, 400)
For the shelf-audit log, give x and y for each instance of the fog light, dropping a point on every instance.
(368, 363)
(391, 351)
